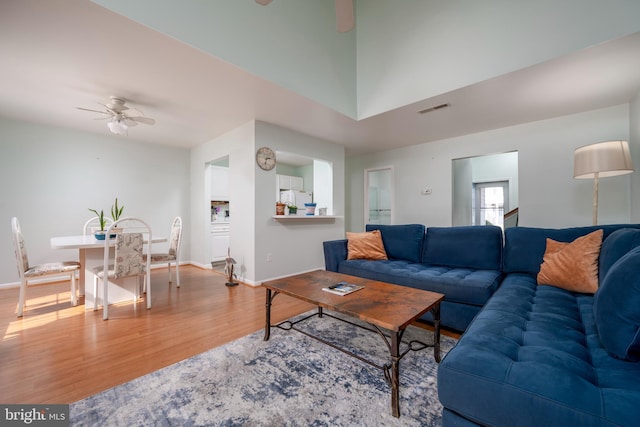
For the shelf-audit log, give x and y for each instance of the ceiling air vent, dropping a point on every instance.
(434, 108)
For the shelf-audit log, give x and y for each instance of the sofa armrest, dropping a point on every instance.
(335, 251)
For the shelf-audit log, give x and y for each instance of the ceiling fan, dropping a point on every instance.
(345, 20)
(120, 116)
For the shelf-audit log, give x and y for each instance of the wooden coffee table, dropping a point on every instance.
(382, 305)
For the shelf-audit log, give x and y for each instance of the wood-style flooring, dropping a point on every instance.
(57, 353)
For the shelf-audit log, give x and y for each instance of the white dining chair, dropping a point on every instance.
(28, 272)
(129, 259)
(94, 223)
(173, 255)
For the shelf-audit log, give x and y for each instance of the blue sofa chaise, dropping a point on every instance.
(540, 355)
(463, 263)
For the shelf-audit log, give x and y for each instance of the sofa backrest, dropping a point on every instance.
(524, 247)
(401, 241)
(474, 247)
(614, 247)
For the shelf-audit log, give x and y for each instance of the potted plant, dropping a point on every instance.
(116, 213)
(103, 222)
(293, 209)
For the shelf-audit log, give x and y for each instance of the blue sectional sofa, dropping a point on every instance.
(463, 263)
(539, 355)
(532, 355)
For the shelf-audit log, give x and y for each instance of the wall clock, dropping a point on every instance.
(266, 158)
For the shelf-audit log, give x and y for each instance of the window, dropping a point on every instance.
(490, 201)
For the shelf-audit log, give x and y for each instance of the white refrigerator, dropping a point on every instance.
(298, 198)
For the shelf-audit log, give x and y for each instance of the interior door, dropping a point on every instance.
(378, 195)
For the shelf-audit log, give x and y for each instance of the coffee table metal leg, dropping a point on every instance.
(267, 326)
(436, 332)
(395, 374)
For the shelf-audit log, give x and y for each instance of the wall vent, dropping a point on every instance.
(434, 108)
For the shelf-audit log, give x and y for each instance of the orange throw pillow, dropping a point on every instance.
(366, 245)
(572, 266)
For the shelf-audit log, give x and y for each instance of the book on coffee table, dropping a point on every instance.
(343, 288)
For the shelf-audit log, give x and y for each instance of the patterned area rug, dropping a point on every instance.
(290, 380)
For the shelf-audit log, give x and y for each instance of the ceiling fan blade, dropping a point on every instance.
(93, 111)
(109, 109)
(129, 122)
(345, 21)
(263, 2)
(145, 120)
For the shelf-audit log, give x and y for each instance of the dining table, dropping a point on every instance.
(91, 255)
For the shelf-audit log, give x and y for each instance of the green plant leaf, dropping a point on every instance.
(116, 211)
(101, 218)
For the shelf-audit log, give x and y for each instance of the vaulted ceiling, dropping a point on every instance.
(61, 54)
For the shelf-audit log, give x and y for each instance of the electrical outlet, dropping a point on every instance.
(269, 257)
(426, 191)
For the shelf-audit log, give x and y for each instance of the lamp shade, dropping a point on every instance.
(609, 158)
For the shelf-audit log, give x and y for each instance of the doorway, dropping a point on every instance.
(484, 185)
(379, 197)
(218, 212)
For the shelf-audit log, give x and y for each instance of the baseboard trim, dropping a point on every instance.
(54, 279)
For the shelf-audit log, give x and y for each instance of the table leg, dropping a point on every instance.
(83, 276)
(436, 332)
(320, 311)
(395, 374)
(267, 326)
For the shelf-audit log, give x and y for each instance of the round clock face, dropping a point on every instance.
(266, 158)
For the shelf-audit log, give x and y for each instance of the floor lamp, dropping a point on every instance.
(600, 160)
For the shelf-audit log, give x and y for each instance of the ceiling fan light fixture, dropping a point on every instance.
(120, 117)
(117, 126)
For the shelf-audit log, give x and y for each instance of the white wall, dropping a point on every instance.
(293, 43)
(294, 246)
(634, 146)
(323, 192)
(415, 49)
(462, 197)
(238, 145)
(51, 176)
(548, 194)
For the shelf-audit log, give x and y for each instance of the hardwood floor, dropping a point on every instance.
(60, 354)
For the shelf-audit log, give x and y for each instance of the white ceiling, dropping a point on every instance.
(58, 55)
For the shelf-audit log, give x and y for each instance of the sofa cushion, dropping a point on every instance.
(467, 286)
(615, 247)
(472, 247)
(365, 246)
(572, 266)
(524, 247)
(532, 357)
(401, 241)
(617, 308)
